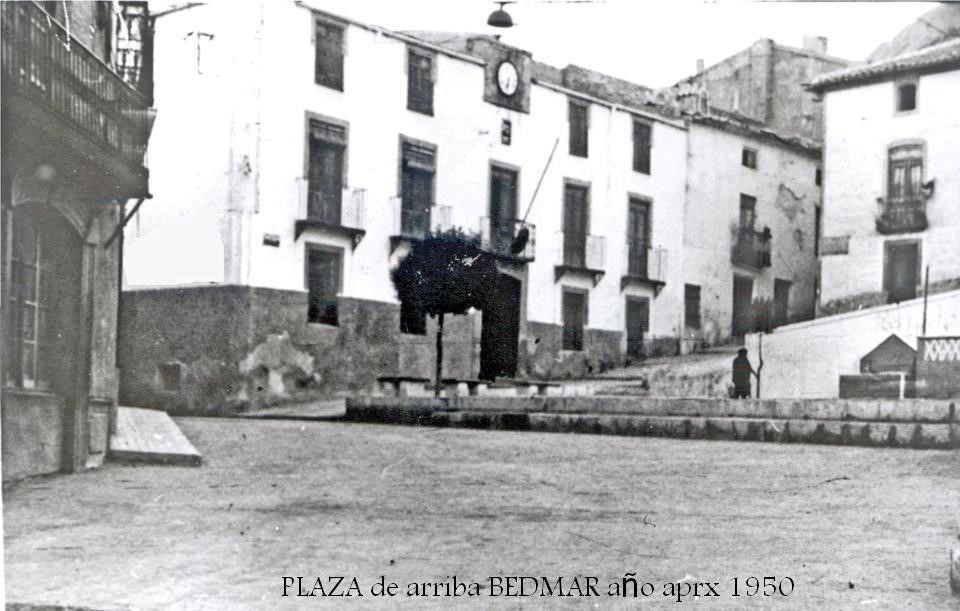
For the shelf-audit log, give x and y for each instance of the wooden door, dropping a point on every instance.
(326, 181)
(638, 322)
(638, 231)
(500, 330)
(742, 302)
(902, 271)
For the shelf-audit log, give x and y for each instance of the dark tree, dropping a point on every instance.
(445, 273)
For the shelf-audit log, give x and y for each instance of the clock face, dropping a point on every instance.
(507, 78)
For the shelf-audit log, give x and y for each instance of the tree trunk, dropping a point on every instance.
(439, 383)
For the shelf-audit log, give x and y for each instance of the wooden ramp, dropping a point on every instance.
(147, 435)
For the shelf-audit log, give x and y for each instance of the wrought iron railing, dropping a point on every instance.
(905, 215)
(58, 73)
(751, 248)
(414, 220)
(514, 238)
(336, 207)
(581, 250)
(646, 262)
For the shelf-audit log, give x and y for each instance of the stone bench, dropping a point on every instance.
(403, 386)
(454, 387)
(530, 388)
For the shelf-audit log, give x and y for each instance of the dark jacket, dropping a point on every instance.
(741, 372)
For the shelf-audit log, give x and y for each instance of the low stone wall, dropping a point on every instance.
(542, 355)
(917, 424)
(33, 430)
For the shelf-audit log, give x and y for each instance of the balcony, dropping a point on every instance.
(579, 254)
(414, 221)
(904, 215)
(504, 239)
(751, 248)
(645, 265)
(83, 104)
(339, 212)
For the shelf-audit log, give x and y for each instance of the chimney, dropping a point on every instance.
(699, 66)
(815, 43)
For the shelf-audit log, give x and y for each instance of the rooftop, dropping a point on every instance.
(936, 58)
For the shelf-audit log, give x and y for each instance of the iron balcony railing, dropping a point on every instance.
(751, 248)
(58, 73)
(581, 250)
(414, 219)
(335, 207)
(515, 238)
(646, 262)
(902, 215)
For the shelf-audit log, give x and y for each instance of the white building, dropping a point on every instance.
(892, 180)
(749, 251)
(289, 193)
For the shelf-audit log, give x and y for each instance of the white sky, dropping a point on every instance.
(650, 43)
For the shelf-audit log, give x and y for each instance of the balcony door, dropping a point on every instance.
(416, 200)
(326, 179)
(503, 207)
(638, 237)
(575, 209)
(901, 270)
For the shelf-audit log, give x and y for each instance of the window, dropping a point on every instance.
(420, 81)
(323, 283)
(574, 318)
(506, 130)
(691, 306)
(905, 172)
(578, 116)
(642, 142)
(503, 207)
(31, 278)
(417, 169)
(328, 145)
(749, 158)
(329, 60)
(748, 212)
(906, 97)
(413, 320)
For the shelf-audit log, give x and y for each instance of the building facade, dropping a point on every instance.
(750, 229)
(892, 180)
(74, 138)
(310, 182)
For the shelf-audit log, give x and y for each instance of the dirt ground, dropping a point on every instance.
(852, 527)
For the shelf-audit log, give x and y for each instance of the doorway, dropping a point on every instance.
(901, 270)
(500, 330)
(742, 302)
(638, 323)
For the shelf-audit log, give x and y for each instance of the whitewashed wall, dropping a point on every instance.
(784, 184)
(806, 360)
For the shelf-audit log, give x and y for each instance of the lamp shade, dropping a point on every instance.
(500, 18)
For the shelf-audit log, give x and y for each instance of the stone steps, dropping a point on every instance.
(908, 424)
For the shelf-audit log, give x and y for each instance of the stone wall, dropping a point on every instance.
(542, 355)
(221, 349)
(867, 300)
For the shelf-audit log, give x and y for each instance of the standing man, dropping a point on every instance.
(741, 375)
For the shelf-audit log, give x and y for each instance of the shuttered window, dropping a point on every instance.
(329, 60)
(325, 180)
(578, 115)
(642, 143)
(691, 306)
(419, 82)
